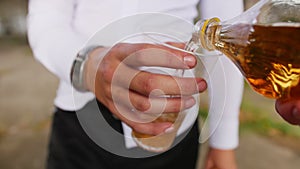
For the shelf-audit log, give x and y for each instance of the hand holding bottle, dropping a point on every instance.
(289, 108)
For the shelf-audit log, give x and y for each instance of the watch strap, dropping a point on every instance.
(77, 72)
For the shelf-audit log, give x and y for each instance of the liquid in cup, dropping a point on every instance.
(163, 141)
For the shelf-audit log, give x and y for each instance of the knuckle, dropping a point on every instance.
(117, 46)
(147, 46)
(137, 127)
(107, 92)
(150, 83)
(140, 58)
(150, 129)
(145, 128)
(156, 130)
(172, 59)
(176, 106)
(105, 72)
(142, 104)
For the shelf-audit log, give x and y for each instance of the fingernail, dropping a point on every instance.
(202, 85)
(189, 103)
(189, 60)
(170, 129)
(296, 113)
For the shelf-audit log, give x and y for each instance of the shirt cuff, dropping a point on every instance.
(225, 133)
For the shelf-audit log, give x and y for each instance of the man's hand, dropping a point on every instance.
(289, 108)
(220, 159)
(129, 93)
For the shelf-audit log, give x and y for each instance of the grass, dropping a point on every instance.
(266, 126)
(263, 122)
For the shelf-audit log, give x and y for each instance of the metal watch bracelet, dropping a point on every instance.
(77, 72)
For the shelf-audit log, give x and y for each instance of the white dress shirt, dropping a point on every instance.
(58, 29)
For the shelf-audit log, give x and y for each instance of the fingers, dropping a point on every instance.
(154, 55)
(129, 110)
(134, 95)
(151, 104)
(150, 128)
(289, 110)
(146, 83)
(176, 44)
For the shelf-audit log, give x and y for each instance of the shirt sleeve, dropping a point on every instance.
(52, 36)
(224, 113)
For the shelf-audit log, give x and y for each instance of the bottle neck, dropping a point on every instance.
(204, 35)
(209, 32)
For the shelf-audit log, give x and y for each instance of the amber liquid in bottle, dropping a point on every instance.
(268, 56)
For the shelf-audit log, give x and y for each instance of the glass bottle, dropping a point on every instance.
(263, 42)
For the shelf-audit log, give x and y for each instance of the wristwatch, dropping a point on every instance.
(77, 72)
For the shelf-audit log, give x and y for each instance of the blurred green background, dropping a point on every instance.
(27, 90)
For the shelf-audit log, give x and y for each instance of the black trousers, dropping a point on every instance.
(71, 148)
